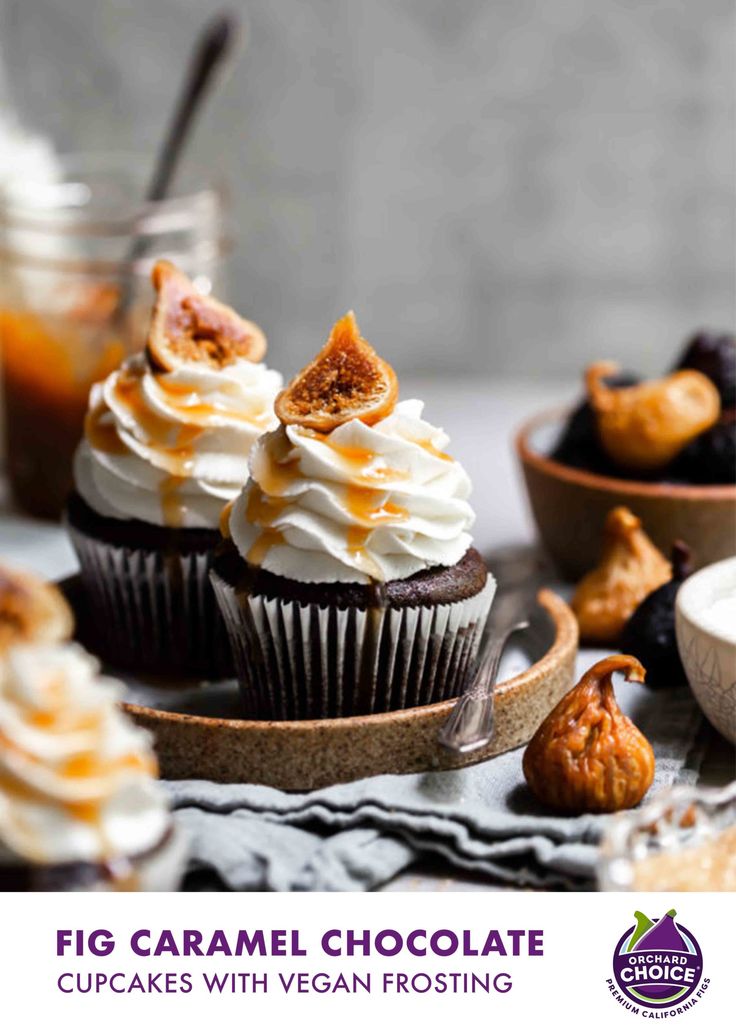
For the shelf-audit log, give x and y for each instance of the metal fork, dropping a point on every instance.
(469, 725)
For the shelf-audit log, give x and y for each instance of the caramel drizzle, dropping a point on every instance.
(81, 766)
(225, 519)
(267, 539)
(179, 457)
(262, 509)
(201, 413)
(366, 506)
(359, 460)
(104, 437)
(428, 446)
(364, 499)
(173, 508)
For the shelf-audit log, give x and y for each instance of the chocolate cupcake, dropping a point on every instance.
(80, 808)
(347, 579)
(166, 445)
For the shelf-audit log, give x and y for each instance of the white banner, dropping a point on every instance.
(137, 961)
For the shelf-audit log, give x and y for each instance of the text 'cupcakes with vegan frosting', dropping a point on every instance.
(166, 445)
(348, 581)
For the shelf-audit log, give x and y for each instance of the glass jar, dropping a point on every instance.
(69, 250)
(685, 839)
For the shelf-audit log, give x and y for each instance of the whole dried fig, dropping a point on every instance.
(587, 756)
(579, 444)
(346, 380)
(630, 568)
(643, 428)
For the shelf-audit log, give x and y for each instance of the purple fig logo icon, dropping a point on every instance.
(657, 962)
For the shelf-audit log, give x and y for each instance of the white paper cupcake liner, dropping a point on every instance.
(153, 611)
(297, 661)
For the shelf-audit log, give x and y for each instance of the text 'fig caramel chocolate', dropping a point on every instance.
(189, 327)
(346, 380)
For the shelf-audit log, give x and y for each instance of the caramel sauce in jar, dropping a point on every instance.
(48, 368)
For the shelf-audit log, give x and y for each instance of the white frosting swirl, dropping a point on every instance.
(357, 504)
(171, 448)
(77, 778)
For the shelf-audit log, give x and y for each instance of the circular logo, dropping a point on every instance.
(657, 963)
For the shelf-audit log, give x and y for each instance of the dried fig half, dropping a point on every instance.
(346, 380)
(587, 756)
(644, 427)
(188, 327)
(31, 611)
(630, 568)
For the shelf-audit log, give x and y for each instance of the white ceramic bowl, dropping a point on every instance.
(707, 647)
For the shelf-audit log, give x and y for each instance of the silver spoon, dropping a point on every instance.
(469, 726)
(215, 43)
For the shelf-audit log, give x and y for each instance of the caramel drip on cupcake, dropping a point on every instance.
(359, 461)
(102, 435)
(201, 413)
(366, 508)
(225, 519)
(172, 507)
(430, 448)
(269, 538)
(129, 393)
(276, 472)
(346, 381)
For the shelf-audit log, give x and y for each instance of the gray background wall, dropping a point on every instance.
(496, 186)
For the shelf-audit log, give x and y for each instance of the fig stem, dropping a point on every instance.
(681, 560)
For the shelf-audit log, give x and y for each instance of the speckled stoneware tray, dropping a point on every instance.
(198, 734)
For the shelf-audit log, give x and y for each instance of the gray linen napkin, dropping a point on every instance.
(355, 836)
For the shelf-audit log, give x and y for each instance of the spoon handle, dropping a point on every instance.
(469, 725)
(213, 44)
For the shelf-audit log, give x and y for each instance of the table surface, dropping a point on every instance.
(481, 419)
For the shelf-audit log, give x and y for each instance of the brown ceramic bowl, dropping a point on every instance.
(570, 505)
